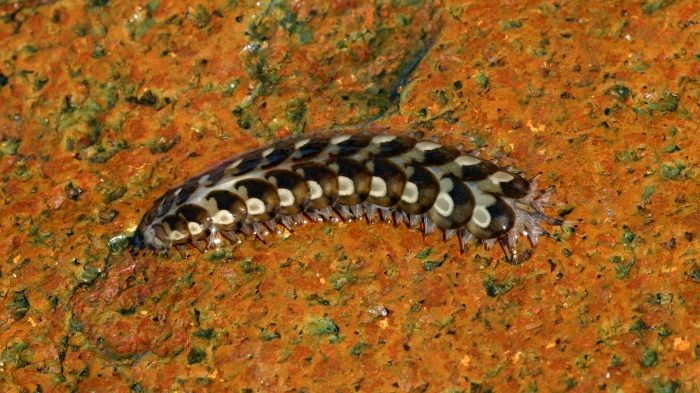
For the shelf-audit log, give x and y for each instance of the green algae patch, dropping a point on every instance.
(494, 288)
(320, 326)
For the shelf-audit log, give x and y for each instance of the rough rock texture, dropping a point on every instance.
(104, 105)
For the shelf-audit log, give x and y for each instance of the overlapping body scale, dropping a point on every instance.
(349, 176)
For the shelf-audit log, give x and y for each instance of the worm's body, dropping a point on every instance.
(420, 182)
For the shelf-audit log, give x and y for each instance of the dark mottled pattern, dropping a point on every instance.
(277, 156)
(440, 156)
(477, 172)
(325, 177)
(193, 213)
(293, 182)
(502, 219)
(395, 179)
(247, 165)
(361, 178)
(166, 203)
(311, 149)
(215, 177)
(177, 223)
(463, 201)
(354, 144)
(516, 188)
(187, 190)
(227, 201)
(428, 189)
(396, 147)
(264, 191)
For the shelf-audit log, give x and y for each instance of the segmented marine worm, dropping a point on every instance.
(332, 176)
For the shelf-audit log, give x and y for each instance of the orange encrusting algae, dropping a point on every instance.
(106, 105)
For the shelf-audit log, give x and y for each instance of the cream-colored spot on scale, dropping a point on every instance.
(467, 161)
(286, 197)
(481, 216)
(501, 177)
(427, 145)
(267, 152)
(195, 228)
(446, 184)
(235, 163)
(223, 217)
(340, 139)
(176, 235)
(301, 143)
(210, 205)
(379, 187)
(242, 191)
(345, 186)
(444, 204)
(482, 198)
(255, 206)
(383, 138)
(410, 193)
(315, 190)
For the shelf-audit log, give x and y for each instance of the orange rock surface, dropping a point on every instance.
(104, 105)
